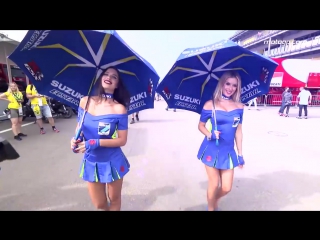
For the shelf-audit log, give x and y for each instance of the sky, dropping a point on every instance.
(159, 47)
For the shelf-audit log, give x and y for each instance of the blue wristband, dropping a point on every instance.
(92, 144)
(240, 160)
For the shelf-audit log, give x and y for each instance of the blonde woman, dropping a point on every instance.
(217, 149)
(15, 98)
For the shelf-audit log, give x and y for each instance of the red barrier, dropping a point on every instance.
(276, 99)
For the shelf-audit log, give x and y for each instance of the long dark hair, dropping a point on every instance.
(120, 94)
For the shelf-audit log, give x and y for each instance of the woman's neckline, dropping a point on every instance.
(108, 114)
(229, 110)
(225, 110)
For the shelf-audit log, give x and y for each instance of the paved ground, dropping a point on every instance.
(282, 171)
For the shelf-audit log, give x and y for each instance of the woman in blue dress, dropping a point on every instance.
(104, 131)
(220, 158)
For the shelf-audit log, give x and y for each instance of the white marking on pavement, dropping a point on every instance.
(73, 186)
(23, 125)
(57, 207)
(8, 195)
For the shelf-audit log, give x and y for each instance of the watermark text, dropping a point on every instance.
(282, 42)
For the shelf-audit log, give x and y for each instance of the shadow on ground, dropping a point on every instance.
(76, 197)
(143, 202)
(137, 142)
(281, 190)
(159, 120)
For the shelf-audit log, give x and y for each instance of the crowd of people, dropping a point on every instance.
(15, 112)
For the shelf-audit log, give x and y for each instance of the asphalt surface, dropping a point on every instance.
(281, 172)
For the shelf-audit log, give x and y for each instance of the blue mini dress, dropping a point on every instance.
(224, 155)
(103, 164)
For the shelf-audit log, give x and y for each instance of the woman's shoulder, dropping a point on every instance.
(208, 105)
(239, 105)
(83, 102)
(120, 109)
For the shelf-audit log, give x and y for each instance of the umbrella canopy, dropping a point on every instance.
(65, 65)
(194, 76)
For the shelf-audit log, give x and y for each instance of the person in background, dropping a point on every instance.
(282, 101)
(254, 101)
(40, 107)
(132, 117)
(287, 98)
(167, 109)
(15, 98)
(158, 97)
(304, 98)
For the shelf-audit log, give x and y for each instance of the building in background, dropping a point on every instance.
(294, 51)
(281, 43)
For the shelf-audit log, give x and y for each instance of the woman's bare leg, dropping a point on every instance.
(97, 192)
(213, 184)
(114, 194)
(15, 123)
(226, 177)
(19, 125)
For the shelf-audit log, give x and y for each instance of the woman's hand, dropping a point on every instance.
(74, 143)
(81, 147)
(241, 161)
(87, 145)
(209, 136)
(217, 134)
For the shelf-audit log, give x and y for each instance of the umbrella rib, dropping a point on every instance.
(129, 73)
(203, 62)
(204, 84)
(93, 55)
(103, 47)
(59, 46)
(188, 69)
(96, 57)
(228, 69)
(212, 59)
(208, 66)
(197, 75)
(214, 76)
(115, 63)
(220, 68)
(72, 65)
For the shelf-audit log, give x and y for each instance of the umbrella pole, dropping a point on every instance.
(79, 136)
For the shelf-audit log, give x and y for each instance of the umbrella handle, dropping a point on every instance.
(79, 138)
(217, 140)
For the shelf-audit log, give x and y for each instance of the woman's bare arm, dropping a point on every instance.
(3, 96)
(202, 125)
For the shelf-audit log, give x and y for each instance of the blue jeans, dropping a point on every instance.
(282, 107)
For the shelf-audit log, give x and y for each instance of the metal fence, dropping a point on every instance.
(276, 99)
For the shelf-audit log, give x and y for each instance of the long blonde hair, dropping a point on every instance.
(9, 88)
(218, 91)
